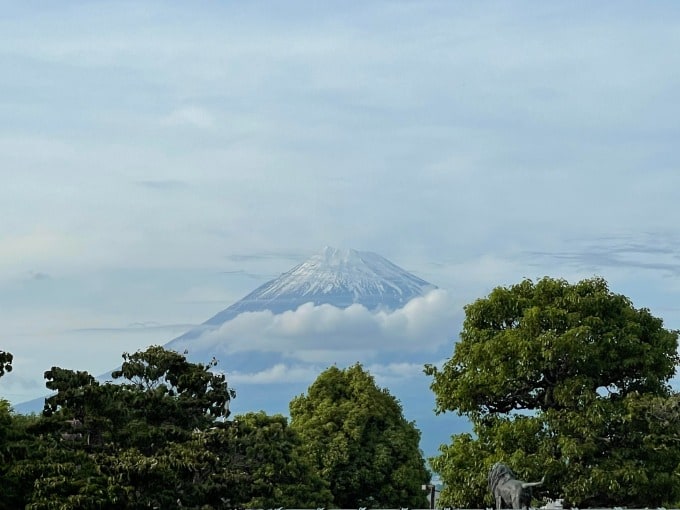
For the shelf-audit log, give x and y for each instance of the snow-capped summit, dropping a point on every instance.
(360, 275)
(339, 277)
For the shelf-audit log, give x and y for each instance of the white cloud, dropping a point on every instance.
(392, 373)
(346, 357)
(191, 116)
(385, 375)
(325, 332)
(279, 373)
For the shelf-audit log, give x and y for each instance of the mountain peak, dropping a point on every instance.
(354, 273)
(338, 256)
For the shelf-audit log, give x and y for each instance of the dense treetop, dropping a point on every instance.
(357, 438)
(551, 345)
(561, 379)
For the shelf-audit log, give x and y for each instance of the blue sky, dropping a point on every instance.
(160, 160)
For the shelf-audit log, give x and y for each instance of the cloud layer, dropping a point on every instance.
(295, 346)
(321, 333)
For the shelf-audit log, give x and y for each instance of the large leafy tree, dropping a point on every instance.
(167, 397)
(152, 440)
(160, 398)
(563, 379)
(358, 440)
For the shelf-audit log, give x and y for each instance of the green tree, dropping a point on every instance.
(560, 379)
(157, 439)
(357, 438)
(279, 475)
(167, 397)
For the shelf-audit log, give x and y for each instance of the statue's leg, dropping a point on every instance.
(517, 499)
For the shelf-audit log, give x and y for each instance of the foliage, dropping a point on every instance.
(278, 474)
(562, 380)
(10, 433)
(355, 435)
(137, 444)
(192, 393)
(11, 448)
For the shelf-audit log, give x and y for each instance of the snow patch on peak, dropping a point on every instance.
(337, 257)
(351, 272)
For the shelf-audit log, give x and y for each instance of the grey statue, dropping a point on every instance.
(507, 489)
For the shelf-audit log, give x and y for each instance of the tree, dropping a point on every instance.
(167, 397)
(356, 437)
(157, 438)
(278, 474)
(554, 377)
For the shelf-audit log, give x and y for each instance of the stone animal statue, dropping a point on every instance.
(507, 489)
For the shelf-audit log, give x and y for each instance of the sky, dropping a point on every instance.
(160, 160)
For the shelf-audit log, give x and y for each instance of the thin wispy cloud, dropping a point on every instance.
(279, 373)
(175, 329)
(164, 184)
(266, 256)
(392, 374)
(189, 116)
(248, 274)
(654, 252)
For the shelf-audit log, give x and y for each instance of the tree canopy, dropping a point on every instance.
(357, 438)
(560, 379)
(278, 474)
